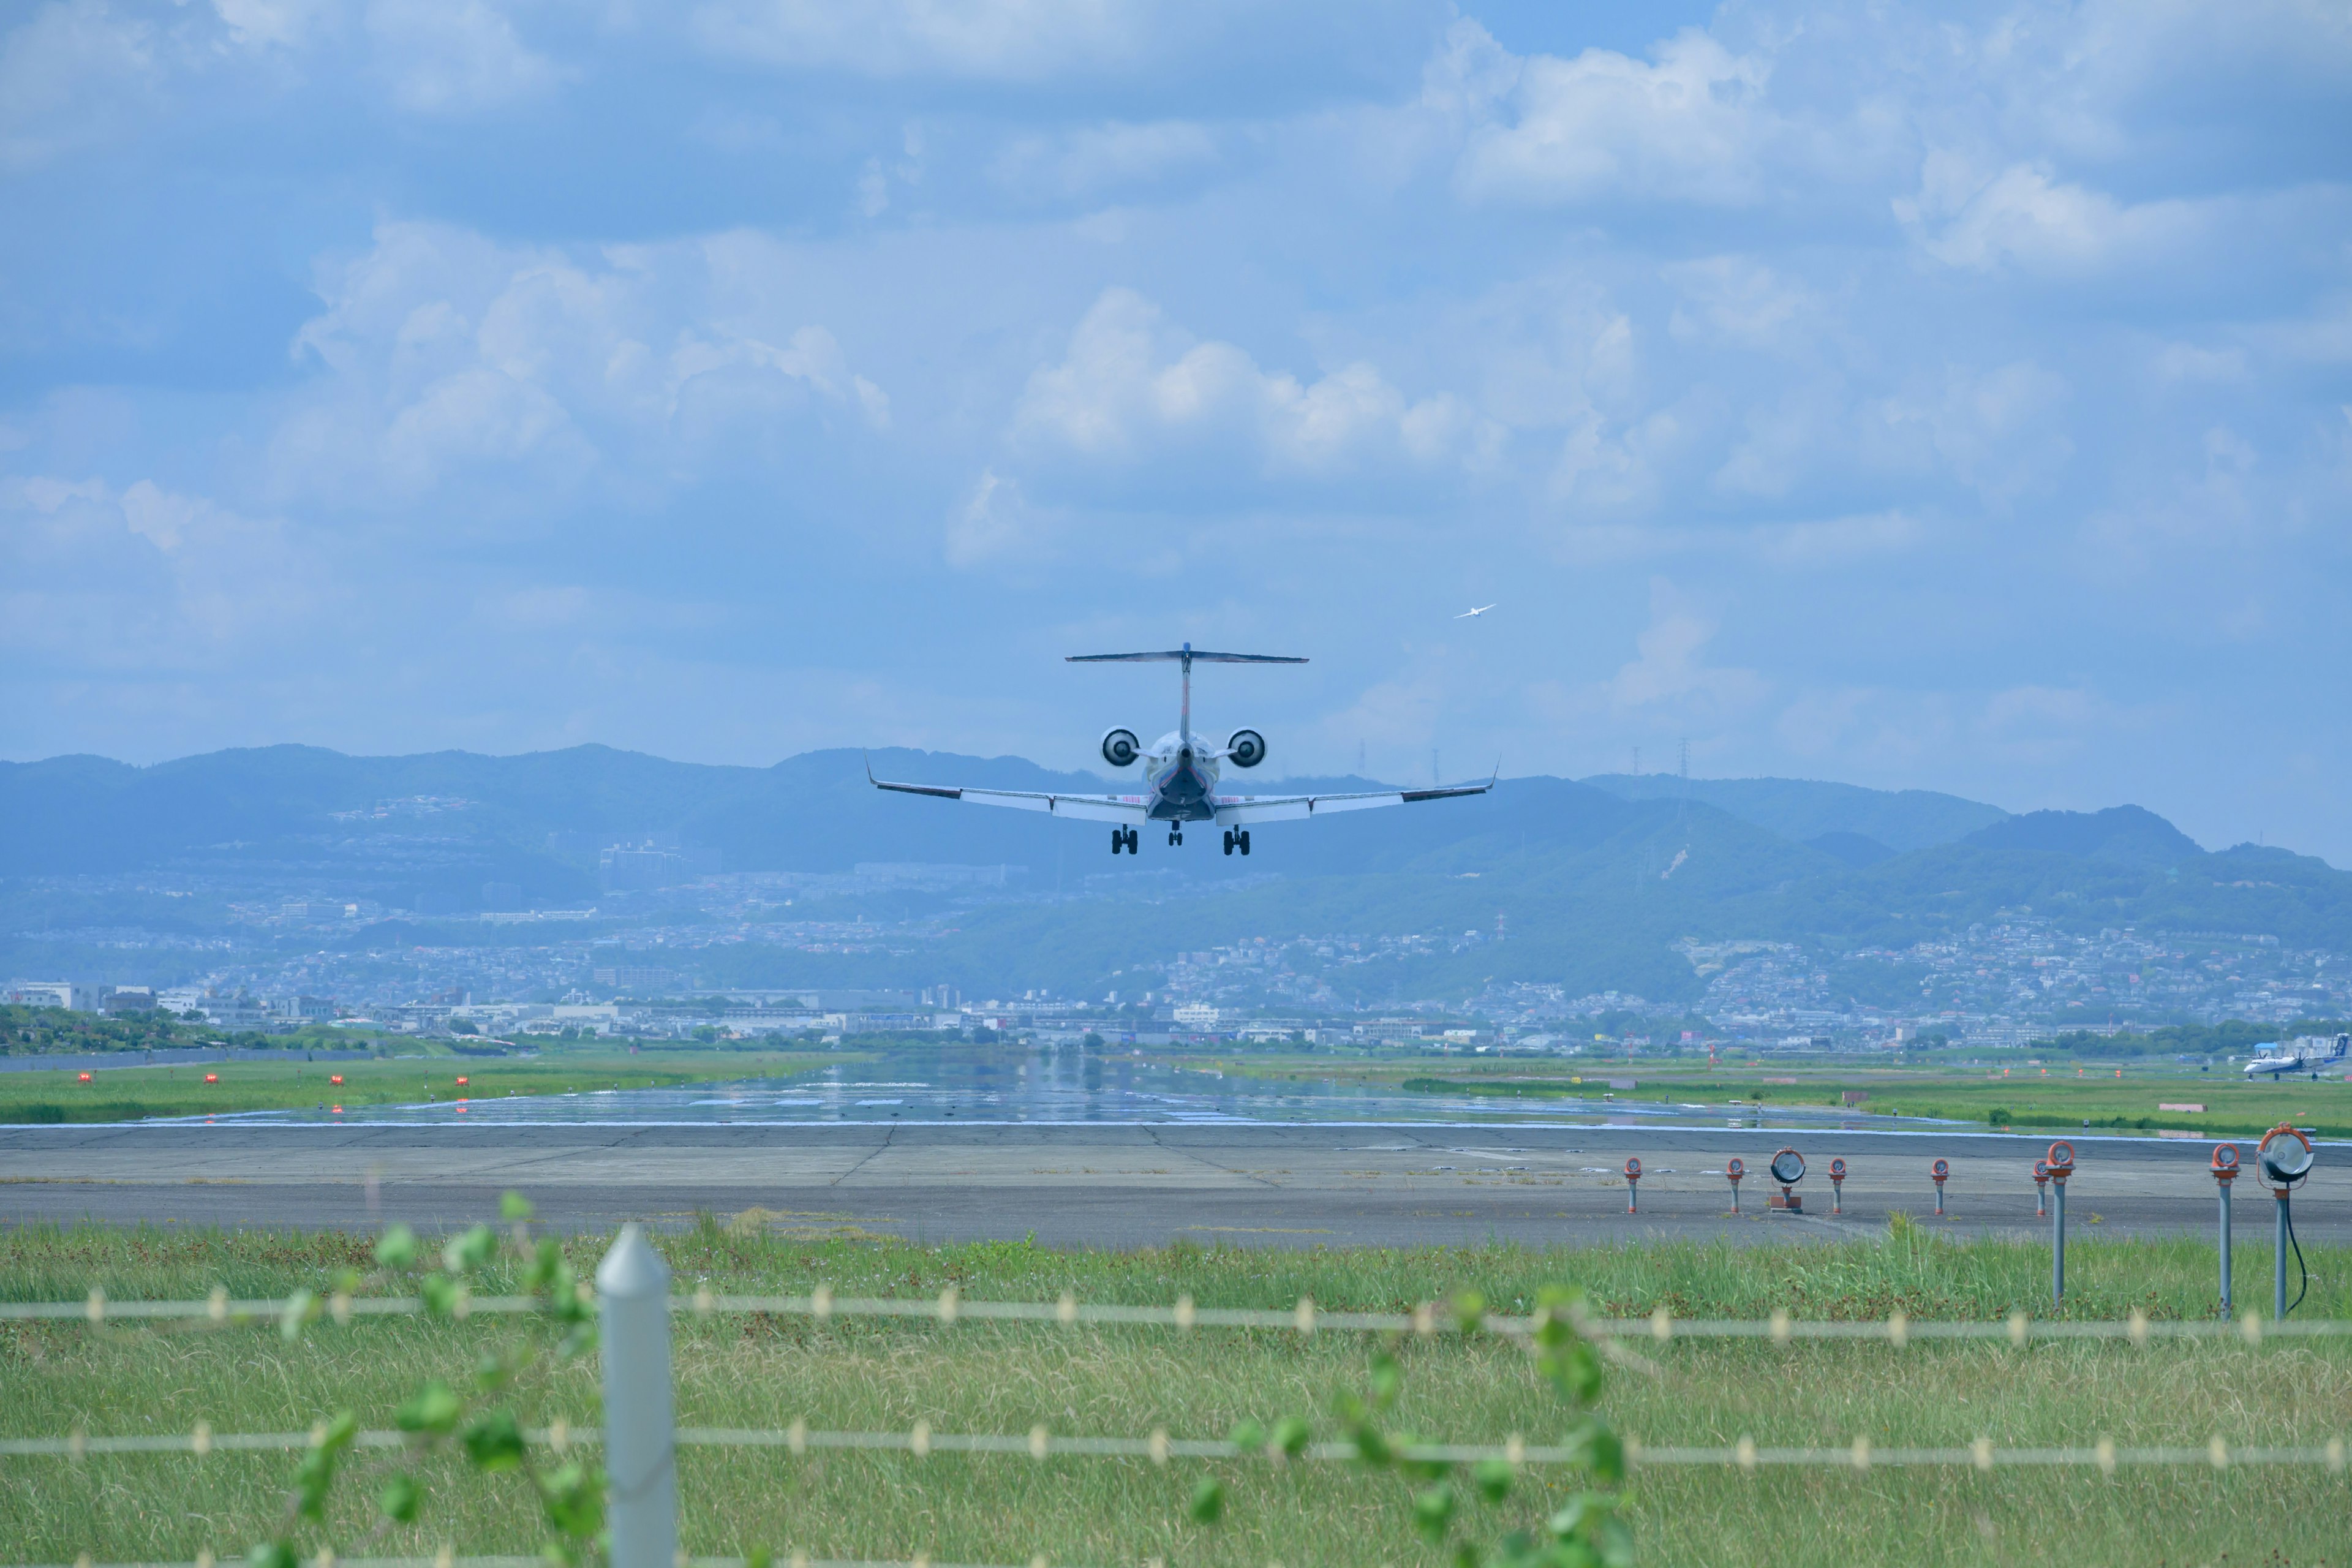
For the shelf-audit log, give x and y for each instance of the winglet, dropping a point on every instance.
(868, 757)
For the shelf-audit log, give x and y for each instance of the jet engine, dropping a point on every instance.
(1246, 748)
(1120, 748)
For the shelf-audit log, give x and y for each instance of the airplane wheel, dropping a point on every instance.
(1241, 839)
(1229, 843)
(1118, 840)
(1132, 840)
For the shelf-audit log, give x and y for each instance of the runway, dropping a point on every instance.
(1130, 1185)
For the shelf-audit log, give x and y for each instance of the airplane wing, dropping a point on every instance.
(1240, 810)
(1082, 808)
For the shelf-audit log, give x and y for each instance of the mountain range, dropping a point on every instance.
(1597, 882)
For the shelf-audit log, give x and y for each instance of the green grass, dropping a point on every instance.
(2026, 1097)
(764, 1372)
(127, 1094)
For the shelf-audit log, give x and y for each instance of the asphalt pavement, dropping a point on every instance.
(1127, 1185)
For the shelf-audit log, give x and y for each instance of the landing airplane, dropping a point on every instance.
(1480, 610)
(1179, 773)
(2308, 1053)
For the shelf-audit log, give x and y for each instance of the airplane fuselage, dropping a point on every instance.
(1179, 775)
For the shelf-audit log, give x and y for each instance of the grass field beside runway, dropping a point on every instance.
(131, 1093)
(758, 1371)
(2026, 1099)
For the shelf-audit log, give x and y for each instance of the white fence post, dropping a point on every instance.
(640, 1428)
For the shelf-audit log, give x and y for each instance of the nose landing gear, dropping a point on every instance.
(1122, 838)
(1238, 838)
(1175, 835)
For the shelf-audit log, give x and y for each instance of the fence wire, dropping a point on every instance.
(1303, 1317)
(1158, 1448)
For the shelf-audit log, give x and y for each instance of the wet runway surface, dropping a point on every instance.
(1019, 1087)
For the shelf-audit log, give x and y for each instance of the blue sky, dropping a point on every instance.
(1958, 398)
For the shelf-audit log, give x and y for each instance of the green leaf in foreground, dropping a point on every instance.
(469, 1250)
(397, 1247)
(433, 1410)
(495, 1441)
(573, 1496)
(1208, 1501)
(400, 1499)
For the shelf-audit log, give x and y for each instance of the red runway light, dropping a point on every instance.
(336, 1078)
(212, 1077)
(461, 1083)
(84, 1077)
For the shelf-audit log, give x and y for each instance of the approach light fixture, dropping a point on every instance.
(2225, 1172)
(1734, 1169)
(1788, 1169)
(1633, 1183)
(1939, 1172)
(2061, 1162)
(1837, 1186)
(2283, 1160)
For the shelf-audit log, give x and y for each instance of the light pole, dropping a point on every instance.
(1837, 1186)
(2283, 1159)
(2062, 1165)
(1936, 1174)
(2225, 1170)
(1633, 1184)
(1734, 1169)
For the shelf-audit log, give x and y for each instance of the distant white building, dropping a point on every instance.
(1196, 1016)
(66, 994)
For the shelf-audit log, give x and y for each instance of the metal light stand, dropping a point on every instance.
(2061, 1161)
(2040, 1188)
(1937, 1173)
(1837, 1186)
(1633, 1184)
(2283, 1160)
(1735, 1170)
(1788, 1168)
(2225, 1170)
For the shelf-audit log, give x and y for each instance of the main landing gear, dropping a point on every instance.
(1237, 838)
(1122, 838)
(1175, 833)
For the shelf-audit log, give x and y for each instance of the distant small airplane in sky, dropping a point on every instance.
(1478, 610)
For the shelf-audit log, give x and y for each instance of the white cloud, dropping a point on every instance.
(69, 74)
(146, 578)
(274, 23)
(447, 353)
(455, 56)
(1692, 127)
(1089, 161)
(1671, 668)
(1132, 389)
(2023, 216)
(991, 40)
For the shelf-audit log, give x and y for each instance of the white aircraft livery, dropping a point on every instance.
(1179, 773)
(2308, 1053)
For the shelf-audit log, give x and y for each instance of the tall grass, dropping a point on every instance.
(1909, 1269)
(758, 1371)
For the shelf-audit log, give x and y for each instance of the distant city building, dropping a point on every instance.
(638, 979)
(927, 871)
(501, 896)
(642, 868)
(129, 999)
(66, 994)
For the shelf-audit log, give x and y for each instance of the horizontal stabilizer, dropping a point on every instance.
(1179, 655)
